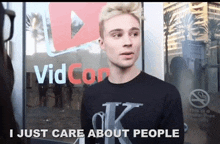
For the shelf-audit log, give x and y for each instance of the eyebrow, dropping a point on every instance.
(115, 30)
(135, 28)
(118, 30)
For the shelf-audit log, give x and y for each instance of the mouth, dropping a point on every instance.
(127, 53)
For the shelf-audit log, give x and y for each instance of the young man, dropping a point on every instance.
(129, 99)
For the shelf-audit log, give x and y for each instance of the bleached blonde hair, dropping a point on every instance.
(112, 9)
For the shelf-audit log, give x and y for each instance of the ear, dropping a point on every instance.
(101, 43)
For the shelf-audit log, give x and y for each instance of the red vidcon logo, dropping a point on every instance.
(73, 24)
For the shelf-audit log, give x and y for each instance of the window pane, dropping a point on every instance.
(192, 65)
(56, 55)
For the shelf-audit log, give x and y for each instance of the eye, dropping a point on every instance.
(117, 35)
(134, 34)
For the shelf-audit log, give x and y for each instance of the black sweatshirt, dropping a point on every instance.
(150, 103)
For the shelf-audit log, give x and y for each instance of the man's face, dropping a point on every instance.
(121, 40)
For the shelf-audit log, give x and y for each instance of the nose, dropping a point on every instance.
(127, 41)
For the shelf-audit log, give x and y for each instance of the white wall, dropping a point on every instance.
(153, 33)
(17, 62)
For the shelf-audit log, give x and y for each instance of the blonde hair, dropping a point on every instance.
(112, 9)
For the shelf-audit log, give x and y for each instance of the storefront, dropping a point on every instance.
(56, 56)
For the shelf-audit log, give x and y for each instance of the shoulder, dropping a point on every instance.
(95, 89)
(160, 86)
(96, 86)
(155, 82)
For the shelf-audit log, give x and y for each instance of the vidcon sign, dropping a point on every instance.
(62, 18)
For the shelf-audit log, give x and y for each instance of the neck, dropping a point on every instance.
(119, 75)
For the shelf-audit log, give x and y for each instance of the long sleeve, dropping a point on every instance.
(172, 118)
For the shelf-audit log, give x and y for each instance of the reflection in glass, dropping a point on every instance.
(169, 29)
(35, 27)
(76, 24)
(193, 64)
(49, 104)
